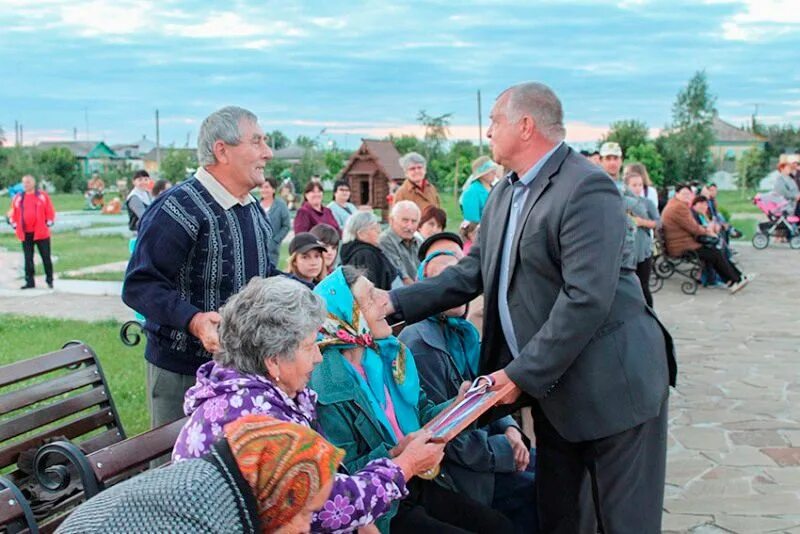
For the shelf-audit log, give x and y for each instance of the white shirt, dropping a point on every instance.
(222, 196)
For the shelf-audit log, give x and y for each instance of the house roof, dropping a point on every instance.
(151, 156)
(387, 156)
(81, 149)
(725, 132)
(290, 152)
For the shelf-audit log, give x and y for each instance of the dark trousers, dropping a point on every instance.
(44, 251)
(431, 509)
(714, 258)
(626, 472)
(643, 269)
(165, 392)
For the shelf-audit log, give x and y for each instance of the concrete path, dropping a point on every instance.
(734, 450)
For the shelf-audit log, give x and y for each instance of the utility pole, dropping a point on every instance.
(480, 126)
(158, 144)
(16, 133)
(74, 133)
(21, 140)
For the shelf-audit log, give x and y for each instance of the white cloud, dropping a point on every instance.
(329, 23)
(760, 20)
(100, 17)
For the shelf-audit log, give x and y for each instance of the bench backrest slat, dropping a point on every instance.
(22, 370)
(25, 397)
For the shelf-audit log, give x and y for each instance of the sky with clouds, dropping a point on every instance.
(366, 68)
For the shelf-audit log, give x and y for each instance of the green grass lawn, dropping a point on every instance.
(737, 201)
(75, 251)
(25, 337)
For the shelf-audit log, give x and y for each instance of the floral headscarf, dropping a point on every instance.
(385, 363)
(285, 464)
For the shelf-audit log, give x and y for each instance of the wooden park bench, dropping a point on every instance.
(57, 463)
(62, 395)
(15, 511)
(688, 266)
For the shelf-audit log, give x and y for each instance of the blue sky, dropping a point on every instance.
(365, 68)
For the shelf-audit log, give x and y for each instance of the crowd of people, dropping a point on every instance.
(295, 382)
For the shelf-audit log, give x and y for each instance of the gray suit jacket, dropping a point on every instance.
(592, 354)
(281, 223)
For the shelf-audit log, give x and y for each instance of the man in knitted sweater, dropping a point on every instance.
(198, 244)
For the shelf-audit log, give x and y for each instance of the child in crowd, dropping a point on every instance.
(328, 236)
(468, 232)
(306, 262)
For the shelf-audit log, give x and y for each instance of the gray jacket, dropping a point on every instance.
(786, 187)
(644, 209)
(474, 460)
(592, 354)
(281, 222)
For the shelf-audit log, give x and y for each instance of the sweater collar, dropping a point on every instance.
(222, 196)
(222, 458)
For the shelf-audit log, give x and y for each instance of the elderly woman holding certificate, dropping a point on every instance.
(371, 404)
(268, 344)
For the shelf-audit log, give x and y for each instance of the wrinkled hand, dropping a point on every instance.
(369, 529)
(419, 455)
(501, 379)
(398, 449)
(204, 326)
(522, 455)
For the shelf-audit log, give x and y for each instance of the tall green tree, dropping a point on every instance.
(628, 133)
(304, 141)
(687, 155)
(176, 164)
(278, 140)
(15, 163)
(751, 167)
(407, 143)
(647, 154)
(58, 166)
(437, 129)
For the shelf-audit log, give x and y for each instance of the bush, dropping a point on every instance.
(58, 166)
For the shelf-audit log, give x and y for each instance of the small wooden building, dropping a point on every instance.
(370, 170)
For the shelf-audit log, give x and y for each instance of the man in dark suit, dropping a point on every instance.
(564, 322)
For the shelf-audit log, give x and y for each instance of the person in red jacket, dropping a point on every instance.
(32, 215)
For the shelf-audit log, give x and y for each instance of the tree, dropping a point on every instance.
(751, 167)
(304, 141)
(2, 136)
(628, 133)
(16, 163)
(781, 138)
(407, 143)
(58, 166)
(176, 164)
(436, 131)
(690, 136)
(648, 155)
(334, 161)
(278, 140)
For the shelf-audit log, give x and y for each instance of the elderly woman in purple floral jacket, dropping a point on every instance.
(268, 344)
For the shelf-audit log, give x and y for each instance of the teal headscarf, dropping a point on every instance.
(461, 337)
(386, 362)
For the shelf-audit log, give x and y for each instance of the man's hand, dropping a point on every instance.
(204, 327)
(407, 281)
(522, 455)
(501, 379)
(382, 295)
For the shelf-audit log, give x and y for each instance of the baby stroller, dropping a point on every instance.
(779, 220)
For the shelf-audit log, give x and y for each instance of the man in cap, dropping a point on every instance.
(611, 161)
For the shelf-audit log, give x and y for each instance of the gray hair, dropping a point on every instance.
(222, 125)
(405, 204)
(268, 317)
(541, 103)
(412, 158)
(358, 222)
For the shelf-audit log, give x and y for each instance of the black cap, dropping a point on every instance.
(305, 241)
(428, 243)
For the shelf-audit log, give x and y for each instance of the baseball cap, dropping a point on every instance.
(428, 243)
(305, 241)
(610, 149)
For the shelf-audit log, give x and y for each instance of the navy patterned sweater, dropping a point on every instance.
(191, 256)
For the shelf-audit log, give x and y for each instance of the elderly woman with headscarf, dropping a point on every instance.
(264, 475)
(268, 345)
(370, 402)
(477, 188)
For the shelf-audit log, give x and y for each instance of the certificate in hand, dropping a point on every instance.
(459, 416)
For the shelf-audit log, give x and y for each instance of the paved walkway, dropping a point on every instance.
(734, 449)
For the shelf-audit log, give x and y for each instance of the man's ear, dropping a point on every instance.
(527, 127)
(220, 151)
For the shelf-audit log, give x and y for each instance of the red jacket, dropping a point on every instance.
(45, 215)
